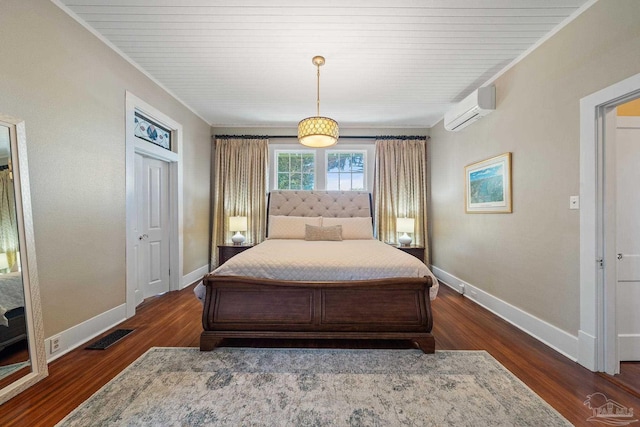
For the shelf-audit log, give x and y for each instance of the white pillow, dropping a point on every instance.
(355, 228)
(291, 227)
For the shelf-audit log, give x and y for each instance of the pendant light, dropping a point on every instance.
(318, 132)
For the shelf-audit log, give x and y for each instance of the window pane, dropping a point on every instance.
(283, 181)
(357, 181)
(307, 181)
(296, 163)
(308, 161)
(283, 162)
(357, 164)
(332, 162)
(345, 162)
(295, 181)
(333, 181)
(345, 181)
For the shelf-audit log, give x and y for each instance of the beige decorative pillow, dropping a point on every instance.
(333, 233)
(290, 227)
(354, 228)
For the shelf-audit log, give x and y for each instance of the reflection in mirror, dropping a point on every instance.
(14, 352)
(22, 357)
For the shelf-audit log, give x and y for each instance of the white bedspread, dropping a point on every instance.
(303, 260)
(11, 294)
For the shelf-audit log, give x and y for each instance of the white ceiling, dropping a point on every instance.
(390, 63)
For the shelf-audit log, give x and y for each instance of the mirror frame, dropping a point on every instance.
(24, 217)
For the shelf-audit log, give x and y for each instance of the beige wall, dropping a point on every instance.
(530, 258)
(70, 89)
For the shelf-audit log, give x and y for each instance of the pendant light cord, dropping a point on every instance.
(318, 91)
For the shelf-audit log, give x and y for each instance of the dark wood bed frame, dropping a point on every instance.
(381, 309)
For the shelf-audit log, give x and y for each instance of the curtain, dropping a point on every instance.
(239, 189)
(400, 188)
(8, 226)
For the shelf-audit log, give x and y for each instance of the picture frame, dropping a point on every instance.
(488, 185)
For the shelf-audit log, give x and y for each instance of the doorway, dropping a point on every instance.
(598, 339)
(172, 158)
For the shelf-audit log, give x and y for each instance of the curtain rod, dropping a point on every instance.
(345, 137)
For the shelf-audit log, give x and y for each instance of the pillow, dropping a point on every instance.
(290, 227)
(355, 228)
(333, 233)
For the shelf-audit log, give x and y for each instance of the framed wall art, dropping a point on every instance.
(488, 185)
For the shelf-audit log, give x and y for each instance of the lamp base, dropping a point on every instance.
(404, 240)
(237, 238)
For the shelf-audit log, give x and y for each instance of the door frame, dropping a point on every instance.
(174, 158)
(597, 337)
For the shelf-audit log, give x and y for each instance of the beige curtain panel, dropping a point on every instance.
(400, 188)
(240, 189)
(8, 225)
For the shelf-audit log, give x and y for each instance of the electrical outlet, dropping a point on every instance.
(574, 202)
(54, 344)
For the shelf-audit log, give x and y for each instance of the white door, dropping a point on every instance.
(152, 227)
(628, 237)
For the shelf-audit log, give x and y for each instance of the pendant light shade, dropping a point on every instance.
(318, 131)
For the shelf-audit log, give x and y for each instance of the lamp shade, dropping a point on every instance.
(405, 225)
(4, 262)
(318, 132)
(237, 223)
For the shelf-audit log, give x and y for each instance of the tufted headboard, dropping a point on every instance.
(342, 204)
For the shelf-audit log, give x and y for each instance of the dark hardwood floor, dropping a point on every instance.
(174, 320)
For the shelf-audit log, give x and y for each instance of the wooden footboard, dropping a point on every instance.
(245, 307)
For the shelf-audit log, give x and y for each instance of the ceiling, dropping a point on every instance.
(389, 63)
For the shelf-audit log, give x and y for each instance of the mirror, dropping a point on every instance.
(22, 355)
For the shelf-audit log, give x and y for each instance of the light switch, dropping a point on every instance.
(574, 202)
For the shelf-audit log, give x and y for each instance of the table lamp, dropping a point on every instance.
(237, 224)
(405, 225)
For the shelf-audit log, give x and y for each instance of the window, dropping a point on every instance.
(295, 170)
(346, 170)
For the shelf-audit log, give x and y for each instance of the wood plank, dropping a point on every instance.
(174, 319)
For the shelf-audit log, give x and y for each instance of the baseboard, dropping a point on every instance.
(194, 276)
(559, 340)
(628, 346)
(587, 350)
(78, 335)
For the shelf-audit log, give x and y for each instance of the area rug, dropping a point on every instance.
(10, 369)
(314, 387)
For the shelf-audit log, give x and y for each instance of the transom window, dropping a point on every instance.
(295, 170)
(346, 170)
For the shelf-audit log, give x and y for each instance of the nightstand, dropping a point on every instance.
(416, 251)
(225, 252)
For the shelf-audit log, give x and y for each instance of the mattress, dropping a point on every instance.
(301, 260)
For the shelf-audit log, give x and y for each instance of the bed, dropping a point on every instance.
(12, 321)
(352, 287)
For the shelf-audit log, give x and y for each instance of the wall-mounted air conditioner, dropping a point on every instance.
(478, 104)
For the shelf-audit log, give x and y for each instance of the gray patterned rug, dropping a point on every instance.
(314, 387)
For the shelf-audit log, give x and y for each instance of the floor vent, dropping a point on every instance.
(110, 339)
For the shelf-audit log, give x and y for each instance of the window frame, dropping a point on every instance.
(350, 151)
(277, 152)
(287, 144)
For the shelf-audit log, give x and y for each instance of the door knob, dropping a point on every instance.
(619, 256)
(143, 237)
